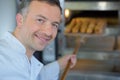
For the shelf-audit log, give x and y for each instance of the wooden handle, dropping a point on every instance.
(66, 71)
(69, 62)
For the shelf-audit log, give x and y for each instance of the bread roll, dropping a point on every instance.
(69, 27)
(76, 28)
(84, 26)
(91, 26)
(99, 28)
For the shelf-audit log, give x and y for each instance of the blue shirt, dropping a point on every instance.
(14, 64)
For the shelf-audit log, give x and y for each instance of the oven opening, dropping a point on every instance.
(112, 16)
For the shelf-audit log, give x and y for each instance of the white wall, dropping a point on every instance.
(8, 9)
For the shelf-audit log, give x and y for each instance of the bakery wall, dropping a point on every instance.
(8, 9)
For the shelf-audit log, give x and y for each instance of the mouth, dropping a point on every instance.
(43, 38)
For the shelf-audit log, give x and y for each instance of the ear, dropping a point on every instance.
(19, 19)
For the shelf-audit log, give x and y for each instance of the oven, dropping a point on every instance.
(99, 54)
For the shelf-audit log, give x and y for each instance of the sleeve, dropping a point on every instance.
(50, 71)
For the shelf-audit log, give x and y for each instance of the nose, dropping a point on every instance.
(48, 30)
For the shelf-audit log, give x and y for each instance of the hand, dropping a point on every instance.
(64, 61)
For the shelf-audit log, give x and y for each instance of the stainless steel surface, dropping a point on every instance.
(113, 30)
(96, 55)
(96, 5)
(93, 65)
(104, 43)
(97, 61)
(76, 75)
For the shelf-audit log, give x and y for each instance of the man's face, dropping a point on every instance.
(40, 25)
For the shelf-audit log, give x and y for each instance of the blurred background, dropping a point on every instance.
(99, 53)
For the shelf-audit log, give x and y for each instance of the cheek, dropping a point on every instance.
(31, 25)
(28, 31)
(32, 28)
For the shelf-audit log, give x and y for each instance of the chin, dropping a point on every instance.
(40, 48)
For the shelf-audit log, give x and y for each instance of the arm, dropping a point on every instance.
(52, 70)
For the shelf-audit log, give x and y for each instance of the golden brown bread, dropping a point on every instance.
(83, 27)
(76, 28)
(69, 27)
(99, 28)
(91, 26)
(86, 25)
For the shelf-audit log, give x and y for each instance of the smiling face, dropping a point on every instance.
(39, 27)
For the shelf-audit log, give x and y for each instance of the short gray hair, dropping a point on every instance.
(24, 7)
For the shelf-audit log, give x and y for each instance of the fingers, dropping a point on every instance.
(65, 59)
(73, 61)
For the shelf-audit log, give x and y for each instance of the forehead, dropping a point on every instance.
(45, 9)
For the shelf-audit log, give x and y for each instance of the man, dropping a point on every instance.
(37, 25)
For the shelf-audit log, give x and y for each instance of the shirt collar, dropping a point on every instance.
(14, 43)
(18, 46)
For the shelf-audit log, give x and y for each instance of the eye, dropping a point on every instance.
(40, 20)
(55, 25)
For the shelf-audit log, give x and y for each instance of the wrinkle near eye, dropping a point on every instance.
(55, 25)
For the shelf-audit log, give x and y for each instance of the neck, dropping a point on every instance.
(29, 51)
